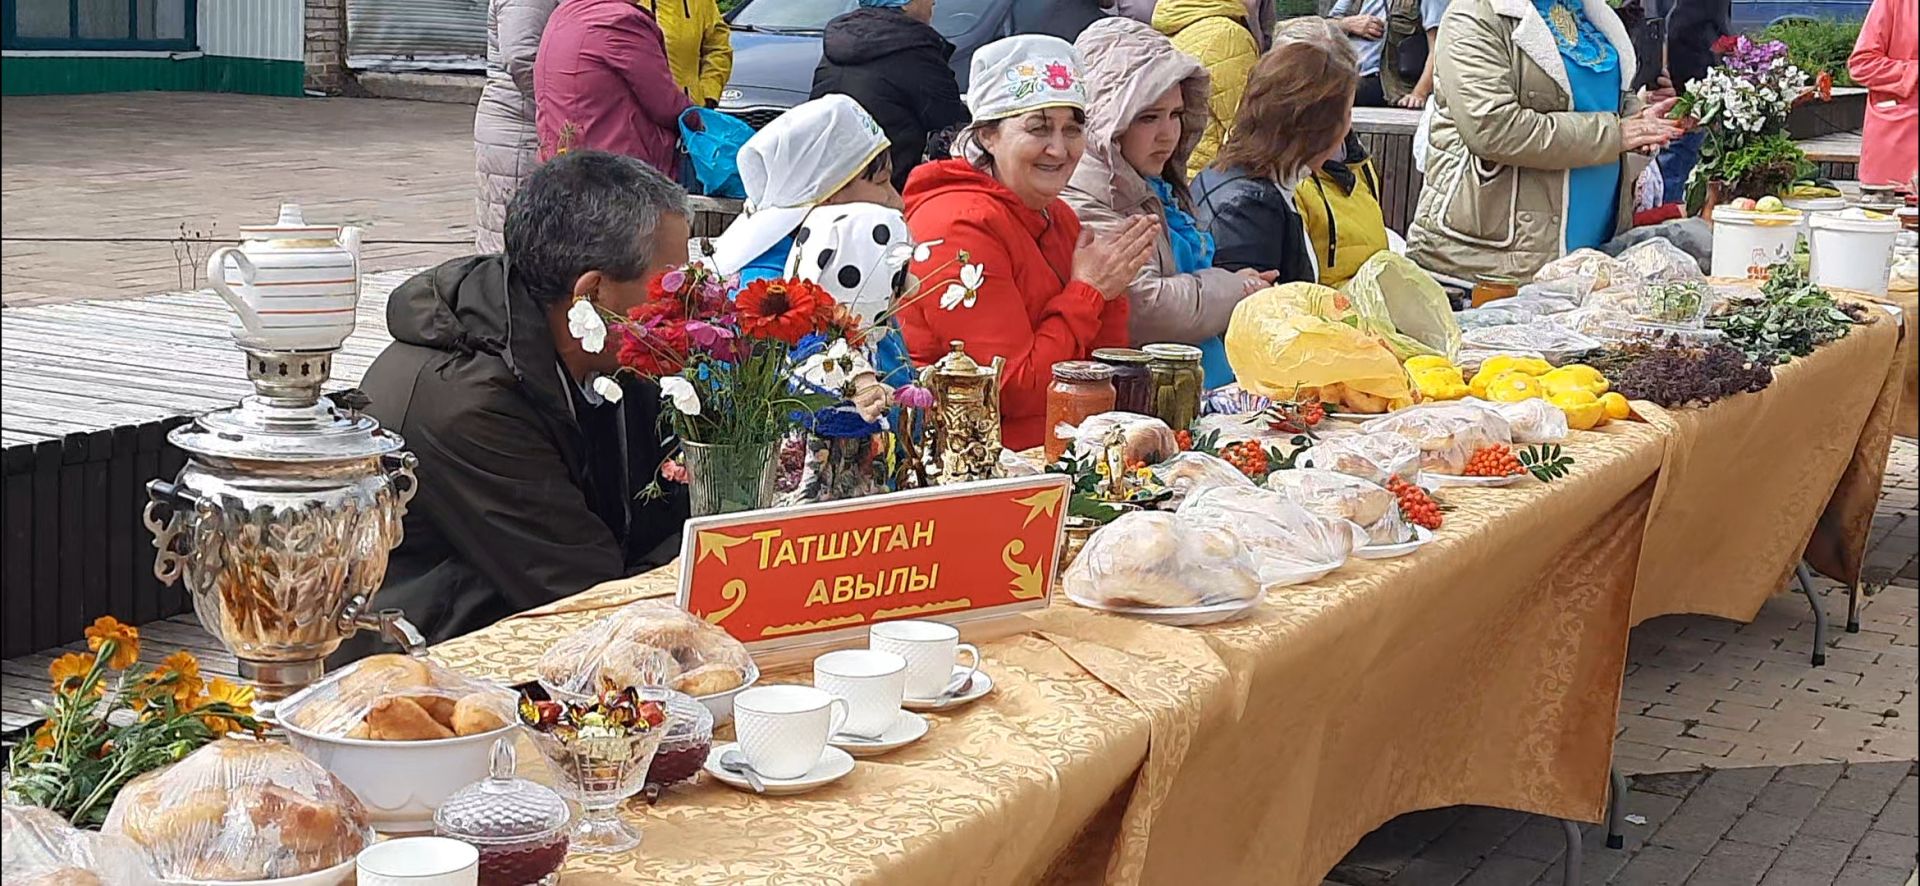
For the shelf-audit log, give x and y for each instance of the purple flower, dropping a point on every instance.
(706, 334)
(671, 281)
(914, 397)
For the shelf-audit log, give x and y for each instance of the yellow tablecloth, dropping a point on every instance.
(1747, 480)
(1484, 668)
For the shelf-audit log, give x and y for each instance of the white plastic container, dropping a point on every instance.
(1746, 243)
(1810, 206)
(1853, 251)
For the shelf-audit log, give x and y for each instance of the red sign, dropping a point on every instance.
(950, 553)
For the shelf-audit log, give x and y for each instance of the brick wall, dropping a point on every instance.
(326, 45)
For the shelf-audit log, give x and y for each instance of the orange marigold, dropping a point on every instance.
(239, 696)
(184, 671)
(70, 670)
(124, 637)
(43, 737)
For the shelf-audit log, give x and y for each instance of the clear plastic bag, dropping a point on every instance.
(42, 849)
(1495, 314)
(1232, 400)
(1556, 344)
(1375, 458)
(1679, 303)
(1447, 434)
(1339, 496)
(1659, 261)
(1470, 358)
(646, 643)
(241, 809)
(399, 698)
(1290, 543)
(1572, 289)
(1226, 429)
(1144, 438)
(1013, 464)
(1190, 472)
(1280, 341)
(1156, 559)
(1413, 304)
(1604, 271)
(1540, 303)
(1531, 421)
(1590, 321)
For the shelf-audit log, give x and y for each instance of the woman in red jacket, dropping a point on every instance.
(1030, 288)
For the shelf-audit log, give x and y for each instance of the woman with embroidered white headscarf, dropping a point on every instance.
(1010, 272)
(824, 152)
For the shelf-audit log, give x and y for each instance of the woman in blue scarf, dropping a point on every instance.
(1146, 109)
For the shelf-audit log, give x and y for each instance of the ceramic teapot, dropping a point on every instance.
(293, 286)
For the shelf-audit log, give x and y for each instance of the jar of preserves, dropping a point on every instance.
(1493, 287)
(519, 826)
(1177, 383)
(1132, 382)
(1081, 389)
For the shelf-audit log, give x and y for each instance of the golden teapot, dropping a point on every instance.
(964, 424)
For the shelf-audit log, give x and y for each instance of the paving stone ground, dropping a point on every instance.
(111, 171)
(1748, 766)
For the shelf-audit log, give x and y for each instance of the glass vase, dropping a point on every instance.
(726, 478)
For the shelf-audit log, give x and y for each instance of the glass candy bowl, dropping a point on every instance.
(519, 826)
(600, 754)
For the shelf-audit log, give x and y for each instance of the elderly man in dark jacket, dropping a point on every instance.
(887, 56)
(530, 473)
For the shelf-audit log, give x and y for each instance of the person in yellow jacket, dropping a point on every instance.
(1340, 207)
(699, 46)
(1217, 33)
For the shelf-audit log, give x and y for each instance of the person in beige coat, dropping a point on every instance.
(1506, 137)
(1146, 109)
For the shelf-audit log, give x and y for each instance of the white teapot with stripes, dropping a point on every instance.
(293, 286)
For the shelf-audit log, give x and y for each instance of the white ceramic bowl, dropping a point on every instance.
(720, 704)
(333, 876)
(400, 782)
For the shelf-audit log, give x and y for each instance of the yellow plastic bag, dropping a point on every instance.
(1278, 344)
(1404, 305)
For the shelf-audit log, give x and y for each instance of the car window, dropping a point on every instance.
(950, 17)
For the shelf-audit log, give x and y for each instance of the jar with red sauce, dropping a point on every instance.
(1081, 389)
(519, 826)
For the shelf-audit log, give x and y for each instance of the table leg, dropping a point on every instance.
(1572, 869)
(1853, 608)
(1616, 808)
(1819, 614)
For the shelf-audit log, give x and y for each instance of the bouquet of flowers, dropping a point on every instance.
(1743, 104)
(111, 720)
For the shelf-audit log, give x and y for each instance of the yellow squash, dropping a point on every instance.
(1584, 410)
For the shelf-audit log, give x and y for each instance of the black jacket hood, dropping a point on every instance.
(869, 33)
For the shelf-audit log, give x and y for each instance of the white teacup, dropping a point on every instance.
(931, 649)
(419, 861)
(871, 682)
(783, 729)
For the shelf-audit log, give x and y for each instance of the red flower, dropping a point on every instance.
(1824, 86)
(657, 352)
(782, 309)
(1726, 44)
(1059, 77)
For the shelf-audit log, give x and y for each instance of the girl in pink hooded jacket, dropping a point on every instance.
(1886, 60)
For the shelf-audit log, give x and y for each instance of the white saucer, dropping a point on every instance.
(834, 765)
(1432, 480)
(1183, 616)
(908, 728)
(1421, 535)
(981, 685)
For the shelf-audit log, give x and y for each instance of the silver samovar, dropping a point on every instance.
(282, 519)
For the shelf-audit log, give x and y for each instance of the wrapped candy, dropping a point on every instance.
(399, 698)
(1447, 434)
(646, 643)
(241, 809)
(42, 849)
(1290, 543)
(1338, 496)
(1156, 559)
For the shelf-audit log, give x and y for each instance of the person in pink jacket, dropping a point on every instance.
(1885, 61)
(601, 82)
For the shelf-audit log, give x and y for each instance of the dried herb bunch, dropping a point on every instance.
(1789, 318)
(1673, 374)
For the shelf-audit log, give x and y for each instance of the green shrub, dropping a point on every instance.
(1817, 45)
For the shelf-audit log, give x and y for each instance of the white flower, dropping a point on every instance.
(967, 291)
(834, 368)
(973, 276)
(585, 324)
(953, 297)
(608, 389)
(924, 251)
(680, 391)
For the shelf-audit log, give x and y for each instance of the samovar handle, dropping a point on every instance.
(162, 518)
(400, 466)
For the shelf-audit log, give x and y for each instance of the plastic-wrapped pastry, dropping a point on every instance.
(1603, 270)
(1375, 458)
(1447, 434)
(1190, 472)
(1493, 314)
(240, 809)
(1340, 496)
(1659, 261)
(1531, 421)
(648, 643)
(1156, 559)
(399, 698)
(42, 849)
(1146, 439)
(1557, 344)
(1291, 543)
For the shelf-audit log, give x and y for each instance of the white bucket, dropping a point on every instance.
(1851, 252)
(1809, 206)
(1746, 243)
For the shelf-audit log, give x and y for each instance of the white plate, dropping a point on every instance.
(908, 728)
(1181, 616)
(1358, 416)
(834, 764)
(981, 685)
(1432, 480)
(1421, 535)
